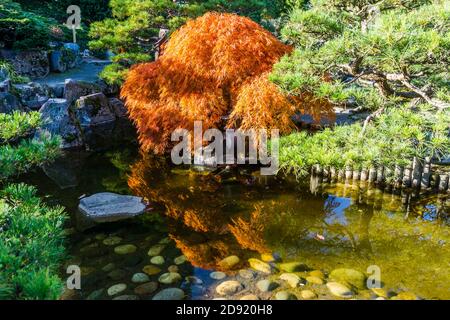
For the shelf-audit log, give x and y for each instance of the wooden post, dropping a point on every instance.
(380, 175)
(364, 174)
(434, 181)
(443, 182)
(372, 174)
(333, 174)
(407, 173)
(356, 174)
(348, 173)
(398, 176)
(426, 174)
(341, 175)
(416, 173)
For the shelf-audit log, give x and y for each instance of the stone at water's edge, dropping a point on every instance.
(9, 103)
(351, 277)
(109, 207)
(260, 265)
(170, 294)
(339, 290)
(229, 287)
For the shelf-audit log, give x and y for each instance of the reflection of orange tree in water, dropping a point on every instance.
(207, 231)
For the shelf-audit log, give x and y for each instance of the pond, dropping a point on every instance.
(202, 228)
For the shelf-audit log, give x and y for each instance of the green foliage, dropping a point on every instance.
(392, 139)
(372, 54)
(18, 124)
(27, 154)
(31, 245)
(134, 28)
(12, 74)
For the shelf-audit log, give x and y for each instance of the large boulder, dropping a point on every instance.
(63, 60)
(74, 90)
(9, 103)
(96, 120)
(110, 207)
(33, 95)
(57, 120)
(33, 63)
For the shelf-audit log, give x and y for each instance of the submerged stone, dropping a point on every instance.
(151, 270)
(140, 278)
(156, 250)
(169, 294)
(109, 207)
(259, 265)
(339, 290)
(229, 287)
(314, 280)
(169, 278)
(266, 285)
(350, 277)
(125, 249)
(229, 262)
(116, 289)
(217, 275)
(158, 260)
(291, 278)
(293, 267)
(308, 295)
(146, 288)
(285, 295)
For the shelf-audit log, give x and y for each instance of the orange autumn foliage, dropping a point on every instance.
(214, 66)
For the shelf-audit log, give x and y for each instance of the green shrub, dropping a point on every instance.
(13, 76)
(31, 245)
(393, 139)
(18, 124)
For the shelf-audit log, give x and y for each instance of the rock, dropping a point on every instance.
(380, 298)
(285, 295)
(62, 60)
(109, 207)
(350, 277)
(292, 279)
(118, 107)
(9, 103)
(57, 90)
(217, 275)
(194, 280)
(407, 295)
(116, 289)
(229, 262)
(179, 260)
(95, 295)
(127, 297)
(339, 290)
(33, 95)
(170, 294)
(112, 241)
(74, 90)
(96, 120)
(172, 268)
(146, 288)
(249, 297)
(165, 240)
(109, 267)
(169, 278)
(4, 74)
(314, 280)
(158, 260)
(247, 274)
(293, 267)
(56, 116)
(380, 292)
(260, 265)
(125, 249)
(308, 295)
(318, 274)
(140, 278)
(151, 270)
(117, 274)
(229, 288)
(156, 250)
(75, 48)
(30, 63)
(5, 86)
(266, 285)
(268, 257)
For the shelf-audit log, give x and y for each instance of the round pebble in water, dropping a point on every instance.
(266, 285)
(169, 294)
(109, 267)
(259, 265)
(318, 274)
(249, 297)
(179, 260)
(156, 250)
(217, 275)
(173, 268)
(229, 287)
(146, 288)
(158, 260)
(116, 289)
(151, 270)
(291, 278)
(112, 241)
(125, 249)
(339, 290)
(247, 274)
(229, 262)
(127, 297)
(140, 278)
(169, 278)
(285, 295)
(314, 280)
(308, 295)
(193, 280)
(165, 240)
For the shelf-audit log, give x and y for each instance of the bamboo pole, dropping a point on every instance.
(443, 182)
(407, 173)
(426, 173)
(416, 173)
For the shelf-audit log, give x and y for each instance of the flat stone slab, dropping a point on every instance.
(110, 207)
